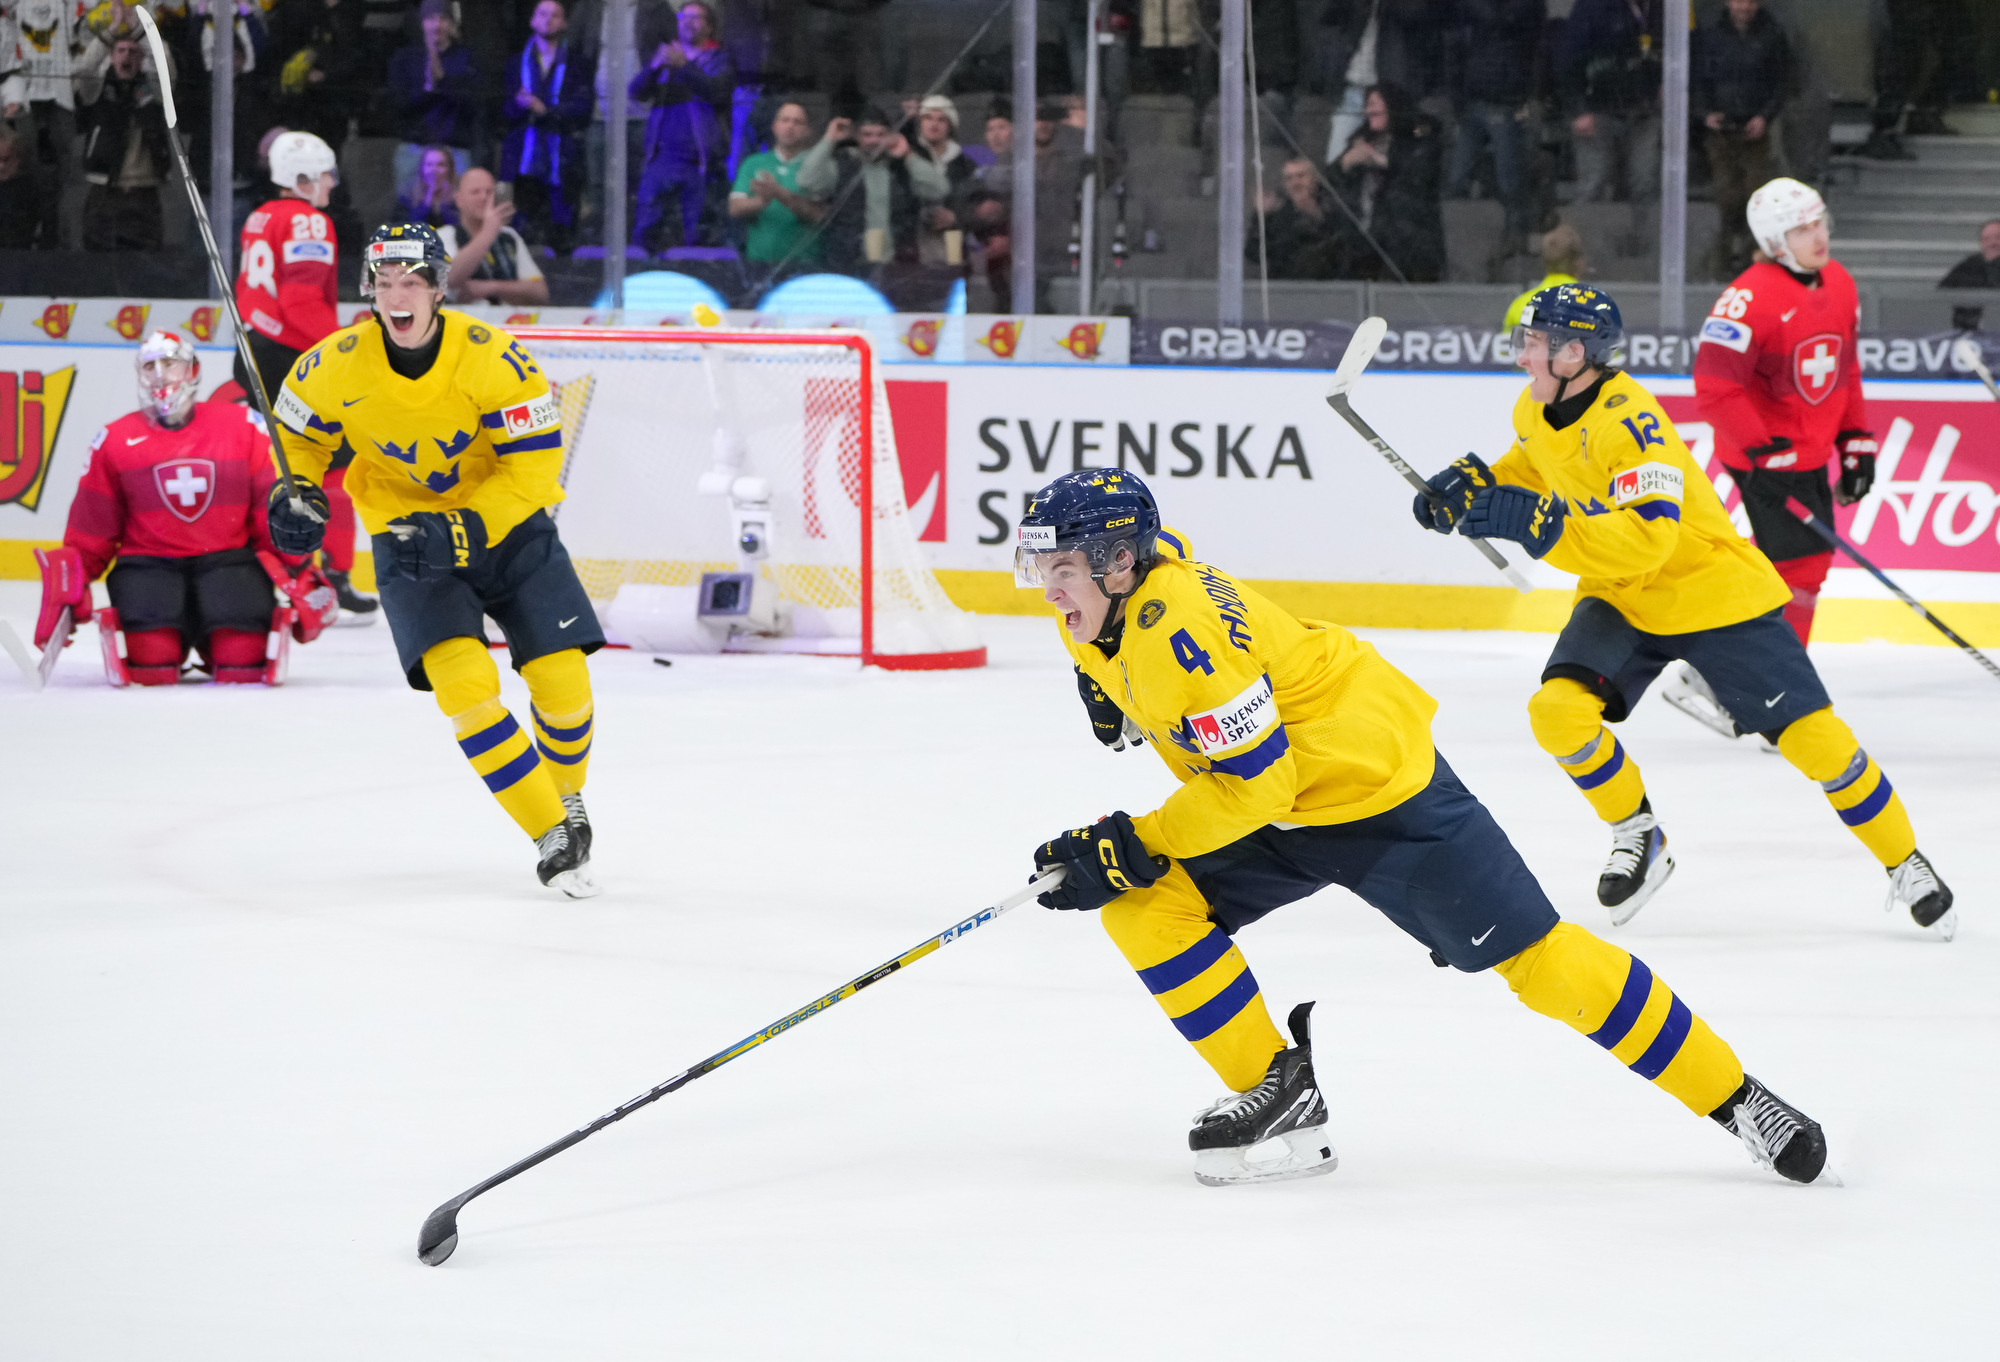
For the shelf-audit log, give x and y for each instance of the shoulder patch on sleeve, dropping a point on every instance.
(347, 342)
(1647, 480)
(1729, 334)
(478, 334)
(1239, 721)
(291, 411)
(525, 418)
(307, 252)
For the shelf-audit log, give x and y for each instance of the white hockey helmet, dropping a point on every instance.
(169, 375)
(1777, 208)
(300, 153)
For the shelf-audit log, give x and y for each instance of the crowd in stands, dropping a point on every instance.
(498, 111)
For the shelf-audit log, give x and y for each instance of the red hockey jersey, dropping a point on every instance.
(287, 287)
(1778, 359)
(148, 490)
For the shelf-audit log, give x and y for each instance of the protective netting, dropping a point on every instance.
(658, 426)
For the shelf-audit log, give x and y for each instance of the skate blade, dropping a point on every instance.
(1307, 1154)
(348, 619)
(1946, 927)
(1698, 709)
(1657, 874)
(578, 883)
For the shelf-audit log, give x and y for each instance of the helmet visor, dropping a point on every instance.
(1040, 565)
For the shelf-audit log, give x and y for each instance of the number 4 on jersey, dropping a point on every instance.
(1189, 653)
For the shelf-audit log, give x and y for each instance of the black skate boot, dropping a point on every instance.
(565, 862)
(1637, 867)
(1286, 1106)
(579, 822)
(355, 608)
(1914, 885)
(1777, 1134)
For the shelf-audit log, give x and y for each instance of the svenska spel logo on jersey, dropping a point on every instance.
(1648, 479)
(1242, 720)
(531, 416)
(187, 486)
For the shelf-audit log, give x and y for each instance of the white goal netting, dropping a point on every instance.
(671, 434)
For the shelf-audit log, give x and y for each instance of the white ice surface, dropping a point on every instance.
(276, 979)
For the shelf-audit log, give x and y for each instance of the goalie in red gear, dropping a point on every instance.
(176, 493)
(1779, 379)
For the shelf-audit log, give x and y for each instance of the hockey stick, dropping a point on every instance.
(14, 648)
(223, 284)
(1827, 532)
(439, 1235)
(1967, 352)
(1367, 338)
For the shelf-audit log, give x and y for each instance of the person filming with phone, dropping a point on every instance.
(489, 261)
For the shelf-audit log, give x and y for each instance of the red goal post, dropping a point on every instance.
(645, 412)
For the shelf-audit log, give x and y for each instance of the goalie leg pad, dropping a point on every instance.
(237, 656)
(153, 657)
(111, 640)
(1611, 997)
(64, 585)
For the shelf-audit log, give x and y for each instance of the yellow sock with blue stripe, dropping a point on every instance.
(467, 684)
(559, 686)
(1823, 747)
(1611, 997)
(1567, 718)
(1197, 975)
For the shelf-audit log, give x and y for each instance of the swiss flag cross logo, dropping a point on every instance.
(1208, 731)
(1816, 366)
(187, 486)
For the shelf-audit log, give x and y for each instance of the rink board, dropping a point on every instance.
(1250, 464)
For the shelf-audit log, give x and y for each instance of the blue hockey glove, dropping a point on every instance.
(433, 544)
(1104, 860)
(1454, 487)
(1533, 521)
(1107, 721)
(292, 534)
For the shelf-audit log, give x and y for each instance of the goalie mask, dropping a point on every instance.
(169, 375)
(1105, 514)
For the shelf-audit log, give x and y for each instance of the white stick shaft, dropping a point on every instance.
(10, 642)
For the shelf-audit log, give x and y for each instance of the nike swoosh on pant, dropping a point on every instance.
(1774, 699)
(1483, 935)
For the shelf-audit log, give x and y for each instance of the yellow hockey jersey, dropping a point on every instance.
(481, 430)
(1645, 531)
(1263, 717)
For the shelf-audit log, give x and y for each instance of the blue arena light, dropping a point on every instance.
(665, 291)
(825, 295)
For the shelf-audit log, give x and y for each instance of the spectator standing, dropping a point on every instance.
(941, 237)
(766, 195)
(433, 92)
(985, 202)
(1562, 263)
(1168, 36)
(1389, 174)
(20, 216)
(1742, 66)
(1397, 43)
(853, 56)
(125, 155)
(1492, 86)
(1300, 240)
(490, 262)
(1609, 83)
(1981, 269)
(320, 50)
(546, 119)
(647, 24)
(54, 48)
(752, 33)
(687, 81)
(432, 195)
(1921, 51)
(875, 192)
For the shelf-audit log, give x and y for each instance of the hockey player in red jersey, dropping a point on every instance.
(176, 493)
(286, 292)
(1779, 379)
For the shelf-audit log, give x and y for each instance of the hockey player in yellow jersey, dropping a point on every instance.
(1598, 483)
(1306, 760)
(457, 450)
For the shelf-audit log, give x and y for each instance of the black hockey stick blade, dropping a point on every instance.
(1832, 536)
(437, 1240)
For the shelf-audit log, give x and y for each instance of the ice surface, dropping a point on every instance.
(276, 979)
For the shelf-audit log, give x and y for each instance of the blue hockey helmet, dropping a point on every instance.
(1106, 514)
(1574, 312)
(415, 244)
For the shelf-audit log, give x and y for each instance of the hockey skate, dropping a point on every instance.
(565, 860)
(1778, 1135)
(355, 608)
(1638, 865)
(579, 822)
(1285, 1109)
(1914, 885)
(1688, 692)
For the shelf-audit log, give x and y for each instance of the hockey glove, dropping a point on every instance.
(1533, 521)
(1857, 465)
(433, 544)
(1104, 860)
(292, 534)
(63, 585)
(1107, 721)
(1454, 489)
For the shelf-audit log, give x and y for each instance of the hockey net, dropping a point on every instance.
(659, 424)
